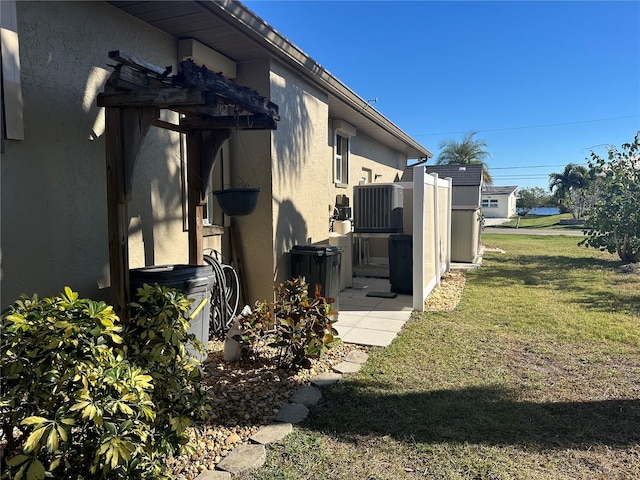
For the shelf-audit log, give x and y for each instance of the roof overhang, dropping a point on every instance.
(233, 30)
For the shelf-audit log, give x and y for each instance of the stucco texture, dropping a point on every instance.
(53, 196)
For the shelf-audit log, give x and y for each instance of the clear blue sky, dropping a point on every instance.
(543, 83)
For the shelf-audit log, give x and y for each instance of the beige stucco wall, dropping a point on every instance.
(302, 187)
(53, 196)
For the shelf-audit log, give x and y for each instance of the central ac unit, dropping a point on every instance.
(377, 208)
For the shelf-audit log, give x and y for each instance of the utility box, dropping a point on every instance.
(319, 264)
(195, 281)
(401, 263)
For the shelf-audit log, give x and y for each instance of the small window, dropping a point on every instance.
(490, 203)
(341, 160)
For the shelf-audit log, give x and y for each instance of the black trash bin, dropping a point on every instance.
(195, 281)
(319, 264)
(401, 263)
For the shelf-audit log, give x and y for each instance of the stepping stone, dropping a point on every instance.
(347, 367)
(242, 458)
(292, 413)
(214, 475)
(271, 433)
(357, 356)
(307, 396)
(325, 379)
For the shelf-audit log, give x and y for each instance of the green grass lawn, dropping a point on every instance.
(536, 375)
(536, 221)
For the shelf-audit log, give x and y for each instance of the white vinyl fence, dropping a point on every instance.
(431, 233)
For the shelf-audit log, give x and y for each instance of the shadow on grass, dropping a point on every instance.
(565, 273)
(482, 415)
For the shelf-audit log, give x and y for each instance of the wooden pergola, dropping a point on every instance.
(134, 95)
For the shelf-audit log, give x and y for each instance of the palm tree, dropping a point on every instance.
(467, 151)
(566, 186)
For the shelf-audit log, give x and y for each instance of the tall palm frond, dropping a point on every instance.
(467, 151)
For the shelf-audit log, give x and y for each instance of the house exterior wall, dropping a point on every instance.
(53, 196)
(506, 206)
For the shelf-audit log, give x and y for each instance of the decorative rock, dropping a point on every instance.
(357, 356)
(214, 475)
(325, 379)
(347, 367)
(307, 396)
(272, 433)
(292, 413)
(244, 457)
(233, 438)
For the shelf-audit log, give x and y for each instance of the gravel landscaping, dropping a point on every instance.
(247, 395)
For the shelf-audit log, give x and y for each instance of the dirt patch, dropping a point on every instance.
(551, 372)
(630, 268)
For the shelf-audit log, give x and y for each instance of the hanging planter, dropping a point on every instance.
(236, 202)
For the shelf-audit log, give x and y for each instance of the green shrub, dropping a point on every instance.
(298, 327)
(78, 399)
(157, 337)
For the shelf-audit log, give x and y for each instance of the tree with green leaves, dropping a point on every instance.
(612, 213)
(568, 187)
(467, 151)
(529, 198)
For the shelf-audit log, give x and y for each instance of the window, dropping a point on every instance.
(489, 203)
(341, 162)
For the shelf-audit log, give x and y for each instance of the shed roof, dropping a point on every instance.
(491, 190)
(461, 175)
(230, 28)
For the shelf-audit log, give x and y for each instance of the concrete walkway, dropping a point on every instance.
(367, 320)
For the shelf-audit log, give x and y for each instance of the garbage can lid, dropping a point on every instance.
(317, 250)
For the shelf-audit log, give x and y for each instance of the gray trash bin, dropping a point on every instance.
(195, 281)
(319, 264)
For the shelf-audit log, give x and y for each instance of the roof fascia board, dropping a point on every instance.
(278, 45)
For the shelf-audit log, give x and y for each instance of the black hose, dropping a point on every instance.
(224, 297)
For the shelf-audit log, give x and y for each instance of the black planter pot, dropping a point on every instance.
(236, 202)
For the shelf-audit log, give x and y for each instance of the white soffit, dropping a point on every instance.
(344, 128)
(189, 48)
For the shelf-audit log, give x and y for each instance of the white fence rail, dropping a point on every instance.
(431, 233)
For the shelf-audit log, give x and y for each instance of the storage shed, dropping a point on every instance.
(465, 207)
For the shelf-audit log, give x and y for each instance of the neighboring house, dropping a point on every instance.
(465, 206)
(499, 202)
(54, 199)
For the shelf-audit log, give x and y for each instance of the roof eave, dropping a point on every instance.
(283, 49)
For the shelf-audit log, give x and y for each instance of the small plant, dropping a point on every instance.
(298, 327)
(80, 393)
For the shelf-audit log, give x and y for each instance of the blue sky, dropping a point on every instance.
(543, 83)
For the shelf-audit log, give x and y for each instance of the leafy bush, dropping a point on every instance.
(612, 213)
(76, 402)
(298, 327)
(157, 337)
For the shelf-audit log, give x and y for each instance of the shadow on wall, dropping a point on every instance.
(291, 229)
(292, 148)
(157, 175)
